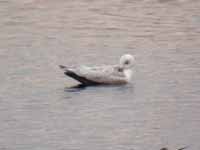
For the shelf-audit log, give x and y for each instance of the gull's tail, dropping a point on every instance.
(73, 74)
(183, 148)
(62, 67)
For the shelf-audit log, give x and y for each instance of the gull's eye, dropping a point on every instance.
(120, 69)
(126, 62)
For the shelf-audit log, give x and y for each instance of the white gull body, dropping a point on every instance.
(118, 74)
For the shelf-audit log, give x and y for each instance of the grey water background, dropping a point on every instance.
(161, 107)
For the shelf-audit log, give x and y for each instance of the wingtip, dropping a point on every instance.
(62, 67)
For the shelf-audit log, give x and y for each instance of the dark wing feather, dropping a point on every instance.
(79, 78)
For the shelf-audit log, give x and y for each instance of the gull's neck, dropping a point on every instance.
(128, 74)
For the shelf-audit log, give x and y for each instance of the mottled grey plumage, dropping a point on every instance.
(119, 74)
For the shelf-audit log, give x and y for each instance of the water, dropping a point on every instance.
(38, 110)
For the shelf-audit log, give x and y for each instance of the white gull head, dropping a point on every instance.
(126, 63)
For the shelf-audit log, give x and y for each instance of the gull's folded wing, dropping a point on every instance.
(96, 75)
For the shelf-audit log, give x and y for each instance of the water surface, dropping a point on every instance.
(159, 108)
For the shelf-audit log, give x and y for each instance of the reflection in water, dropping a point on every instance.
(119, 88)
(165, 148)
(75, 88)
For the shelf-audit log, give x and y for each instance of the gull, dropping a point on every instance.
(116, 74)
(165, 148)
